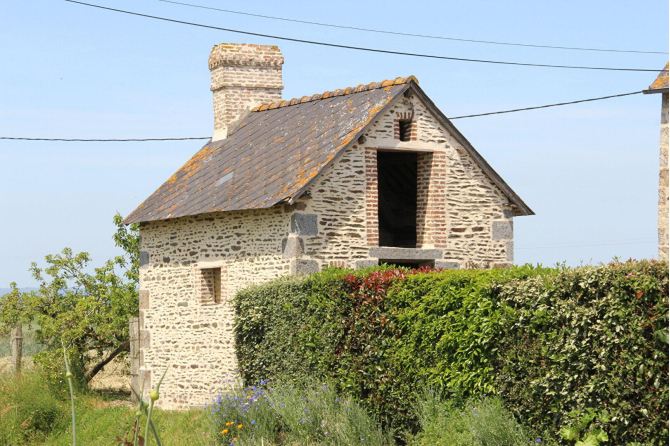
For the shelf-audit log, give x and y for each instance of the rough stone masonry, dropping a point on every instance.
(192, 266)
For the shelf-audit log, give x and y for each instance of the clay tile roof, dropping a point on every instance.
(660, 85)
(339, 92)
(276, 153)
(272, 156)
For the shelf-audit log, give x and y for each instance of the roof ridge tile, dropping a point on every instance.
(337, 92)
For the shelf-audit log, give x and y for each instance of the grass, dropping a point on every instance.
(101, 426)
(268, 415)
(31, 413)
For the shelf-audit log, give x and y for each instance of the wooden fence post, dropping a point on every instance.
(17, 348)
(134, 328)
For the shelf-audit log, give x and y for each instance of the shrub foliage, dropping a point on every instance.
(548, 341)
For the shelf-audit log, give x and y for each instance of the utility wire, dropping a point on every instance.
(425, 36)
(357, 48)
(207, 137)
(584, 245)
(545, 106)
(101, 140)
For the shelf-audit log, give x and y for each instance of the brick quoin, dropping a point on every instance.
(431, 219)
(413, 131)
(371, 197)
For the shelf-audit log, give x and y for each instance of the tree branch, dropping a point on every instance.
(88, 376)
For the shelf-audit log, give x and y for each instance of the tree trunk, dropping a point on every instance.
(94, 371)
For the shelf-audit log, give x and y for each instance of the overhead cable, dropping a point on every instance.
(101, 140)
(545, 106)
(207, 137)
(642, 242)
(398, 33)
(372, 50)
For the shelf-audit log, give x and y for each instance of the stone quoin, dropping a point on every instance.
(347, 178)
(660, 86)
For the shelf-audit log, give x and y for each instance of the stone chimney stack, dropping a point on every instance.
(243, 76)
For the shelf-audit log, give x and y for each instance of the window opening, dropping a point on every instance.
(210, 285)
(405, 129)
(397, 183)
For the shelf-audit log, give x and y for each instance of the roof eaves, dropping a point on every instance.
(521, 207)
(655, 90)
(134, 216)
(660, 84)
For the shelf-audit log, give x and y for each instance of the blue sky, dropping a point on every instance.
(589, 171)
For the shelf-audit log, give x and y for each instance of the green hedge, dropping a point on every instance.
(590, 338)
(539, 337)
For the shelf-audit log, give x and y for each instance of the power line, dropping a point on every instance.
(357, 48)
(425, 36)
(101, 140)
(585, 245)
(546, 106)
(207, 137)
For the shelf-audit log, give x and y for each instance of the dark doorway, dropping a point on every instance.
(397, 199)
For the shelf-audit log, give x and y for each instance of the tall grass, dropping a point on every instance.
(29, 410)
(33, 414)
(292, 414)
(479, 422)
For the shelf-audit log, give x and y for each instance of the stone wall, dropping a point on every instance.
(663, 184)
(460, 210)
(181, 324)
(463, 219)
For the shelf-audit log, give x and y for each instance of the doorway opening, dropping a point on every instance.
(397, 180)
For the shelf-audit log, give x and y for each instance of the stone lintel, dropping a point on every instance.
(393, 253)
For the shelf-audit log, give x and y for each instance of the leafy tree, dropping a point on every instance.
(88, 312)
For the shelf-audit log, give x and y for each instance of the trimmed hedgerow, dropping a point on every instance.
(522, 333)
(589, 339)
(367, 328)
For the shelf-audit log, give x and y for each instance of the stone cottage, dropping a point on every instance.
(660, 85)
(348, 178)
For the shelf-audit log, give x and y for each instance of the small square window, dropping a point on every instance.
(209, 285)
(405, 129)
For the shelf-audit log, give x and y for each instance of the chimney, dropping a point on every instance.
(243, 76)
